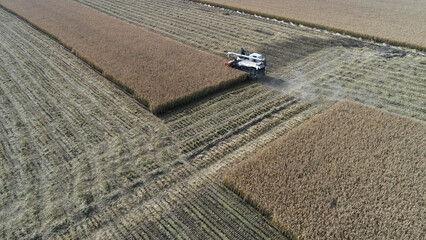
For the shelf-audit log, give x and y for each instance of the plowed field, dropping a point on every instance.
(89, 162)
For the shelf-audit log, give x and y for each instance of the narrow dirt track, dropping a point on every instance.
(304, 60)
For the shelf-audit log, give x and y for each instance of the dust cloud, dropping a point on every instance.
(297, 84)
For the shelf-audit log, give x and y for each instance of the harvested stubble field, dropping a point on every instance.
(184, 197)
(160, 72)
(351, 172)
(387, 20)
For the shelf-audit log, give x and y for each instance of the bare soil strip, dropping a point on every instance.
(159, 71)
(311, 64)
(349, 172)
(388, 21)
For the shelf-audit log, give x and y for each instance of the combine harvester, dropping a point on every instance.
(253, 64)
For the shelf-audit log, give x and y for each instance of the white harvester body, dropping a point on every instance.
(254, 64)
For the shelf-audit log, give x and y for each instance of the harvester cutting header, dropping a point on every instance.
(254, 64)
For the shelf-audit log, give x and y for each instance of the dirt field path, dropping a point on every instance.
(309, 62)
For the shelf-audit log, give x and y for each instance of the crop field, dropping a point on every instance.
(350, 172)
(383, 19)
(160, 72)
(81, 158)
(308, 62)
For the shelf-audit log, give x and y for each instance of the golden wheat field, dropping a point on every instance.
(161, 72)
(350, 172)
(395, 21)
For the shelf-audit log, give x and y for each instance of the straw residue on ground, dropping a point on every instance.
(160, 71)
(351, 172)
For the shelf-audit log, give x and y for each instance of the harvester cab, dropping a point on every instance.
(253, 64)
